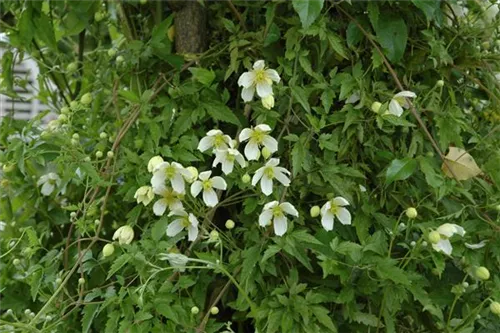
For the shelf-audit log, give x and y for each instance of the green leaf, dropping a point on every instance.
(301, 96)
(202, 75)
(304, 237)
(400, 170)
(354, 35)
(112, 322)
(221, 112)
(323, 317)
(387, 268)
(308, 10)
(118, 263)
(89, 312)
(129, 95)
(431, 177)
(428, 7)
(392, 35)
(337, 45)
(36, 281)
(159, 229)
(367, 319)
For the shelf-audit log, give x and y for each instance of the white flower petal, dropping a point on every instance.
(264, 89)
(271, 205)
(43, 179)
(289, 209)
(257, 176)
(252, 151)
(247, 93)
(176, 205)
(259, 64)
(246, 79)
(449, 229)
(178, 183)
(210, 198)
(265, 218)
(270, 143)
(192, 233)
(263, 128)
(214, 132)
(327, 220)
(273, 162)
(174, 228)
(326, 207)
(160, 207)
(196, 188)
(245, 134)
(340, 201)
(219, 183)
(241, 160)
(395, 108)
(406, 93)
(444, 246)
(47, 188)
(227, 167)
(282, 178)
(206, 143)
(266, 185)
(476, 246)
(273, 75)
(205, 175)
(280, 225)
(344, 216)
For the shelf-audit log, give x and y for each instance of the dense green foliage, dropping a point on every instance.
(122, 94)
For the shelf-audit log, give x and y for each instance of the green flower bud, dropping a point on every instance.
(98, 154)
(58, 281)
(103, 135)
(230, 224)
(214, 236)
(81, 281)
(465, 284)
(62, 118)
(482, 273)
(411, 213)
(495, 308)
(413, 244)
(76, 136)
(440, 83)
(195, 310)
(314, 211)
(65, 110)
(376, 107)
(7, 168)
(266, 153)
(72, 67)
(27, 312)
(120, 59)
(124, 235)
(214, 310)
(246, 178)
(74, 105)
(434, 237)
(112, 53)
(108, 250)
(110, 154)
(16, 262)
(87, 159)
(86, 99)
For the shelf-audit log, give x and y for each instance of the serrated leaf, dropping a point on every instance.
(270, 252)
(400, 170)
(367, 319)
(112, 322)
(308, 10)
(36, 281)
(324, 318)
(304, 236)
(89, 312)
(118, 263)
(337, 45)
(202, 75)
(462, 165)
(221, 112)
(129, 96)
(301, 96)
(159, 229)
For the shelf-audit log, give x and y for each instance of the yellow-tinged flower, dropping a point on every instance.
(268, 102)
(153, 162)
(144, 195)
(124, 235)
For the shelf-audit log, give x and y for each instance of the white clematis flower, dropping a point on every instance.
(276, 212)
(208, 185)
(175, 260)
(49, 183)
(124, 234)
(268, 102)
(185, 221)
(227, 157)
(257, 137)
(170, 199)
(267, 173)
(260, 78)
(335, 208)
(144, 195)
(171, 172)
(153, 162)
(479, 245)
(446, 231)
(398, 102)
(214, 139)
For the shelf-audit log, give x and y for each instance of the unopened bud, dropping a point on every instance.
(110, 154)
(58, 281)
(98, 154)
(214, 310)
(434, 237)
(81, 281)
(482, 273)
(266, 152)
(111, 53)
(314, 211)
(411, 213)
(195, 310)
(108, 250)
(16, 262)
(64, 110)
(495, 308)
(120, 59)
(86, 99)
(74, 105)
(376, 107)
(214, 236)
(230, 224)
(246, 178)
(440, 83)
(413, 243)
(194, 173)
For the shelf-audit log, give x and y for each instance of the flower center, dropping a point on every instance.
(258, 136)
(400, 100)
(334, 209)
(207, 184)
(185, 223)
(230, 158)
(260, 76)
(169, 197)
(277, 211)
(269, 172)
(219, 140)
(170, 171)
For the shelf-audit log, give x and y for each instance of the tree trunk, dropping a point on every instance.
(190, 27)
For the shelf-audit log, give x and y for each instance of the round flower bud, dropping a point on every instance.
(86, 99)
(230, 224)
(112, 53)
(154, 161)
(497, 207)
(103, 135)
(266, 153)
(246, 178)
(62, 118)
(120, 59)
(214, 310)
(9, 312)
(268, 102)
(195, 310)
(72, 67)
(482, 273)
(81, 281)
(376, 107)
(465, 284)
(124, 235)
(440, 83)
(64, 110)
(27, 312)
(87, 159)
(413, 244)
(314, 211)
(98, 154)
(194, 173)
(97, 221)
(424, 243)
(411, 213)
(32, 315)
(16, 262)
(58, 281)
(75, 136)
(74, 142)
(214, 236)
(72, 215)
(48, 318)
(99, 16)
(108, 250)
(495, 308)
(110, 154)
(74, 105)
(8, 168)
(434, 237)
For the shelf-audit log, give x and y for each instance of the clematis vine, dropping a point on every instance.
(259, 78)
(257, 137)
(184, 221)
(275, 213)
(335, 209)
(440, 237)
(267, 173)
(208, 186)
